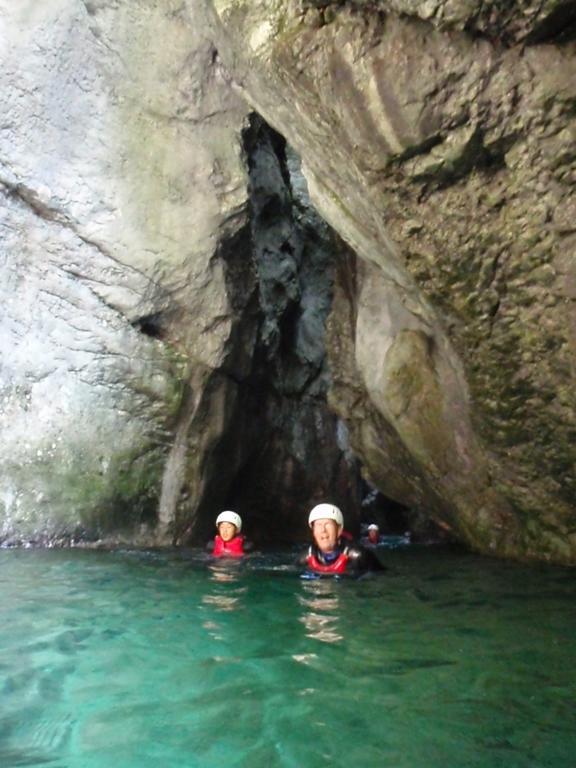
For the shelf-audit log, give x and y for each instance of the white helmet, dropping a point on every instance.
(229, 517)
(326, 512)
(373, 527)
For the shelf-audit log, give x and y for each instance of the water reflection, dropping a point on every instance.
(321, 615)
(224, 594)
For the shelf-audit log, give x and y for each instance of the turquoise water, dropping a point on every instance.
(141, 659)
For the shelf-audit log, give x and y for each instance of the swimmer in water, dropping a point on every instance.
(228, 542)
(332, 552)
(373, 537)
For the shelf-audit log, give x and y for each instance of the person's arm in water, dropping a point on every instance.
(302, 558)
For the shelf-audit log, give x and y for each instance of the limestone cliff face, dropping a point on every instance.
(120, 158)
(166, 282)
(153, 355)
(438, 140)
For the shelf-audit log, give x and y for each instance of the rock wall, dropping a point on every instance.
(163, 302)
(438, 139)
(166, 281)
(122, 180)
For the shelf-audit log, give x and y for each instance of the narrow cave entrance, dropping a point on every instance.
(286, 448)
(398, 520)
(392, 517)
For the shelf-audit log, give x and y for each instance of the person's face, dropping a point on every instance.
(325, 533)
(227, 531)
(373, 535)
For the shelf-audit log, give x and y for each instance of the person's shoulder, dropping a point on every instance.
(355, 551)
(364, 558)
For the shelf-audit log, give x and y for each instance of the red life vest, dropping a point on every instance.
(338, 566)
(232, 548)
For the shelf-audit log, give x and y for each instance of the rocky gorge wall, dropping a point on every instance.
(438, 140)
(111, 271)
(133, 390)
(167, 281)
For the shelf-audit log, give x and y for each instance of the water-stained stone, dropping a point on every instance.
(437, 139)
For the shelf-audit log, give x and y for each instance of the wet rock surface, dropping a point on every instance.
(437, 139)
(165, 290)
(115, 305)
(167, 281)
(299, 450)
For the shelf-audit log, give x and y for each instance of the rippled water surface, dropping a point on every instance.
(141, 659)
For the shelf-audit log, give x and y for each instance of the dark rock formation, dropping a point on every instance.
(438, 140)
(281, 449)
(300, 453)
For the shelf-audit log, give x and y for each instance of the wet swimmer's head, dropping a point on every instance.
(326, 522)
(373, 533)
(229, 524)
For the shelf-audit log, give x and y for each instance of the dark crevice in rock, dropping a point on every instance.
(559, 27)
(418, 149)
(281, 451)
(150, 325)
(287, 328)
(298, 458)
(446, 165)
(30, 198)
